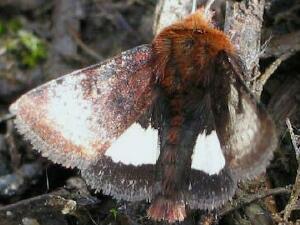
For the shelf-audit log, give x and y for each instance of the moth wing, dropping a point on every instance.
(236, 139)
(74, 119)
(211, 182)
(246, 132)
(210, 191)
(128, 175)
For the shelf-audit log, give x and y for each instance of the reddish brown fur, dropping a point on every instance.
(173, 135)
(176, 121)
(207, 43)
(164, 209)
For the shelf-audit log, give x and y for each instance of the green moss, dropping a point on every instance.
(28, 49)
(14, 25)
(34, 48)
(11, 26)
(114, 213)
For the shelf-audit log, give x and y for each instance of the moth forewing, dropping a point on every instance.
(74, 119)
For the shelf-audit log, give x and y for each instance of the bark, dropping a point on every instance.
(170, 11)
(243, 25)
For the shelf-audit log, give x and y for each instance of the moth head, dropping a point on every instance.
(192, 42)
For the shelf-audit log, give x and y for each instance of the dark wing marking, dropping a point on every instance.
(74, 119)
(246, 132)
(127, 182)
(210, 191)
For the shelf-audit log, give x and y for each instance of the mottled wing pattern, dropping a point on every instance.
(245, 131)
(74, 119)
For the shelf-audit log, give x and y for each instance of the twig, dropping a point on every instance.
(69, 200)
(296, 188)
(207, 6)
(282, 44)
(265, 45)
(6, 117)
(84, 47)
(263, 78)
(44, 197)
(293, 138)
(246, 200)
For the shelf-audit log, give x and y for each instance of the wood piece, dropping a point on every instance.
(248, 199)
(264, 77)
(169, 11)
(52, 208)
(243, 24)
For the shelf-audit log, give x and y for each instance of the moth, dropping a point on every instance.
(171, 122)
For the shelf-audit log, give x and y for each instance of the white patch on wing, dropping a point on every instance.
(71, 113)
(208, 156)
(136, 146)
